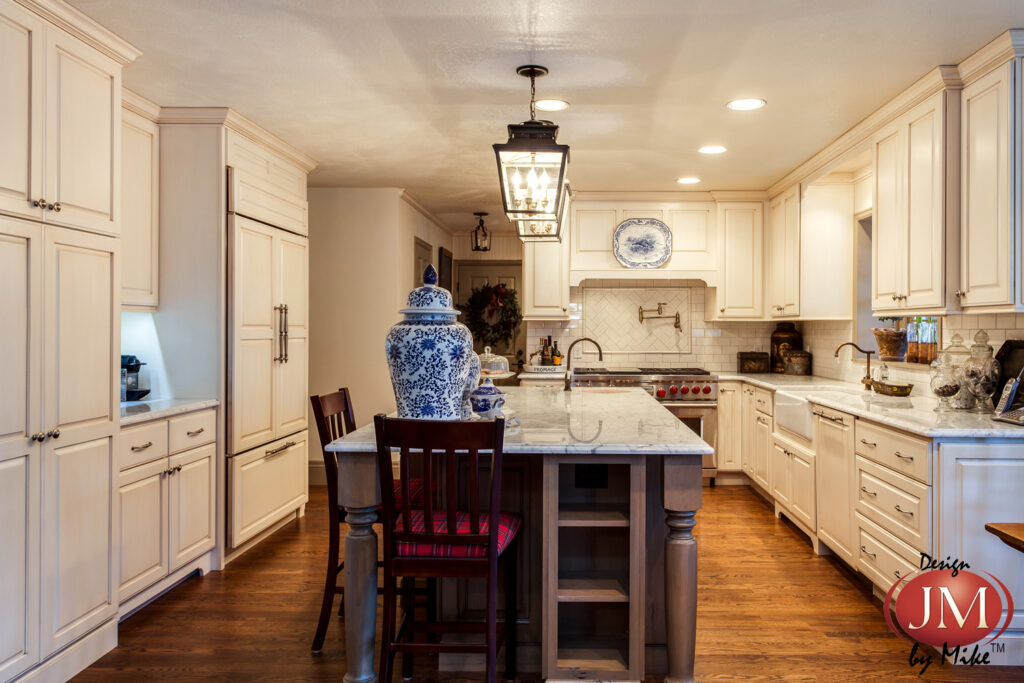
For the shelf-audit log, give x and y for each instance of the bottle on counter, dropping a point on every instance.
(913, 340)
(928, 344)
(556, 355)
(545, 352)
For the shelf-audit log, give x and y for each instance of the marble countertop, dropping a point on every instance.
(772, 381)
(135, 412)
(598, 420)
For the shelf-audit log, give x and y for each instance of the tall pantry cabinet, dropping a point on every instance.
(233, 215)
(60, 122)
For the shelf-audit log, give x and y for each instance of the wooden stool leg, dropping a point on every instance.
(387, 630)
(408, 612)
(330, 586)
(492, 623)
(432, 608)
(511, 585)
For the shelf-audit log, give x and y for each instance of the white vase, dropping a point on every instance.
(429, 354)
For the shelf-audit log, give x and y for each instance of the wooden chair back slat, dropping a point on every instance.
(421, 445)
(334, 418)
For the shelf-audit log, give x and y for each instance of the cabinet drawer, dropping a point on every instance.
(896, 503)
(143, 443)
(764, 401)
(265, 484)
(900, 452)
(882, 557)
(193, 429)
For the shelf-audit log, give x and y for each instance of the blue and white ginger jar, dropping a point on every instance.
(487, 400)
(471, 383)
(429, 354)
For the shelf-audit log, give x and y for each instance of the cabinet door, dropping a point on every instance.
(729, 435)
(889, 226)
(21, 136)
(83, 135)
(81, 413)
(193, 504)
(834, 444)
(143, 493)
(546, 280)
(802, 500)
(791, 300)
(254, 335)
(140, 238)
(264, 485)
(741, 242)
(776, 286)
(747, 431)
(780, 458)
(925, 198)
(291, 280)
(762, 447)
(20, 344)
(986, 253)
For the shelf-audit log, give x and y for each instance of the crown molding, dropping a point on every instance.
(138, 104)
(639, 196)
(739, 195)
(79, 25)
(229, 118)
(411, 201)
(1001, 49)
(938, 79)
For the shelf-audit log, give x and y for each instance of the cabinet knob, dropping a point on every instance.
(894, 297)
(721, 310)
(56, 207)
(38, 436)
(54, 433)
(959, 293)
(39, 203)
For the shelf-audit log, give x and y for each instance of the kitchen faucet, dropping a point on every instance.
(568, 359)
(866, 380)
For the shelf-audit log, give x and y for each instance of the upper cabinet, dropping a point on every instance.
(990, 253)
(915, 195)
(140, 211)
(266, 185)
(740, 290)
(60, 119)
(546, 277)
(826, 249)
(783, 284)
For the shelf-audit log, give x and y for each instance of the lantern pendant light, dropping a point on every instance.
(481, 239)
(531, 169)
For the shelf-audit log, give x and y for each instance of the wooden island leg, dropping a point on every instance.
(360, 594)
(682, 499)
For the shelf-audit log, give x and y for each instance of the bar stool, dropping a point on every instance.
(446, 540)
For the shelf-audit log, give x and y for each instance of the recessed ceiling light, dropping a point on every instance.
(711, 149)
(689, 180)
(746, 104)
(552, 105)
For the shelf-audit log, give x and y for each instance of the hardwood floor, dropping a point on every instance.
(769, 609)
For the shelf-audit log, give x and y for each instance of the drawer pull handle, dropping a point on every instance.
(142, 447)
(867, 552)
(829, 417)
(196, 432)
(906, 512)
(896, 573)
(868, 443)
(904, 457)
(870, 493)
(280, 449)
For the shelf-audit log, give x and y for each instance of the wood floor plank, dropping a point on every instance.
(768, 609)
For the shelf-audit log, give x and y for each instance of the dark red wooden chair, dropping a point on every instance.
(335, 418)
(449, 533)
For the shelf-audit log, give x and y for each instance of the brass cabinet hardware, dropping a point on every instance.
(868, 443)
(906, 512)
(54, 433)
(829, 417)
(280, 449)
(39, 203)
(870, 493)
(142, 447)
(56, 207)
(196, 432)
(867, 552)
(904, 457)
(38, 436)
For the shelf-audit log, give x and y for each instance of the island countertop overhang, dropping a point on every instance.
(620, 421)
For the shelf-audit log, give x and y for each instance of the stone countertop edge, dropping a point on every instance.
(137, 412)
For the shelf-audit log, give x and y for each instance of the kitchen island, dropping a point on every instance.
(608, 483)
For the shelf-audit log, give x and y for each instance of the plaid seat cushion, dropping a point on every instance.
(508, 527)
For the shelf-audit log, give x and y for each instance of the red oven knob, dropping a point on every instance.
(661, 393)
(684, 390)
(707, 389)
(674, 389)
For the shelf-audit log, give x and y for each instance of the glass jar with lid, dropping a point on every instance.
(945, 382)
(958, 356)
(492, 364)
(981, 373)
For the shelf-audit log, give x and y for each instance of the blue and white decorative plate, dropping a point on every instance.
(642, 243)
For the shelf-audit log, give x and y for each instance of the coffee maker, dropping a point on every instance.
(130, 366)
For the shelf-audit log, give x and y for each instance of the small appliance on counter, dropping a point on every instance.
(130, 376)
(750, 362)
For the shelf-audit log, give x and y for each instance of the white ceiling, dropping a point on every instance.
(413, 93)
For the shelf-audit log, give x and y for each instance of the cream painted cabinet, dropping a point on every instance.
(747, 413)
(140, 192)
(269, 351)
(781, 483)
(546, 280)
(741, 258)
(762, 446)
(264, 484)
(265, 185)
(802, 482)
(192, 504)
(784, 272)
(21, 113)
(81, 415)
(990, 250)
(729, 434)
(914, 175)
(834, 446)
(143, 493)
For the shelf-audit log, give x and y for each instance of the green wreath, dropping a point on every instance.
(492, 314)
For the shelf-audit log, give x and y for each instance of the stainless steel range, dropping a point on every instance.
(691, 394)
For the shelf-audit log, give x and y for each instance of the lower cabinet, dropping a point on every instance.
(762, 445)
(793, 480)
(265, 484)
(19, 560)
(729, 434)
(833, 444)
(143, 491)
(746, 431)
